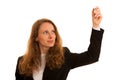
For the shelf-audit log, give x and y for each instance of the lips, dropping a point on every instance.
(50, 41)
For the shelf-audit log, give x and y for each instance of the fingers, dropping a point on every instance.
(96, 12)
(96, 16)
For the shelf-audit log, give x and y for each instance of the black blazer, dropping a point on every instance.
(72, 60)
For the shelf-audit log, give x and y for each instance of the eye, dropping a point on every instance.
(45, 32)
(53, 31)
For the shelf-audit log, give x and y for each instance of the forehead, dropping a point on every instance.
(46, 25)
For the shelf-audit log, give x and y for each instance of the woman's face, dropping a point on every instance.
(46, 35)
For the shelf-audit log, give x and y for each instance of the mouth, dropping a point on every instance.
(50, 41)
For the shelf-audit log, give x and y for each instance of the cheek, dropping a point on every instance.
(40, 39)
(54, 36)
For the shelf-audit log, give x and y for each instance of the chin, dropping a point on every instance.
(51, 45)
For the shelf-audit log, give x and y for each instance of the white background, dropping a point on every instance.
(73, 19)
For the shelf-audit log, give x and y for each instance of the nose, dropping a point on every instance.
(50, 35)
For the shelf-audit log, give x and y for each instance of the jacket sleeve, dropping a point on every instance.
(89, 56)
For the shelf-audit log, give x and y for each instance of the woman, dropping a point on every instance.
(46, 59)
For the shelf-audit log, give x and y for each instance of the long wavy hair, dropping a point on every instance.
(31, 59)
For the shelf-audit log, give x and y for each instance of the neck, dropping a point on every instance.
(44, 50)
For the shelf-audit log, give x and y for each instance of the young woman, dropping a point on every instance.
(46, 59)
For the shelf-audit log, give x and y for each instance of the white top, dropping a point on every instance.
(38, 74)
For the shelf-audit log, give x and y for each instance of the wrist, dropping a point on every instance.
(96, 27)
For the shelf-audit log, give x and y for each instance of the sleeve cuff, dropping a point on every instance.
(96, 28)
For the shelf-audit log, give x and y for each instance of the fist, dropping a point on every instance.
(96, 17)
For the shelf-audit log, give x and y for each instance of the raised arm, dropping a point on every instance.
(93, 51)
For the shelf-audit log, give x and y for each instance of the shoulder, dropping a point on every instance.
(19, 59)
(66, 50)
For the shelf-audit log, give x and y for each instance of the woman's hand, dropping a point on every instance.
(96, 17)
